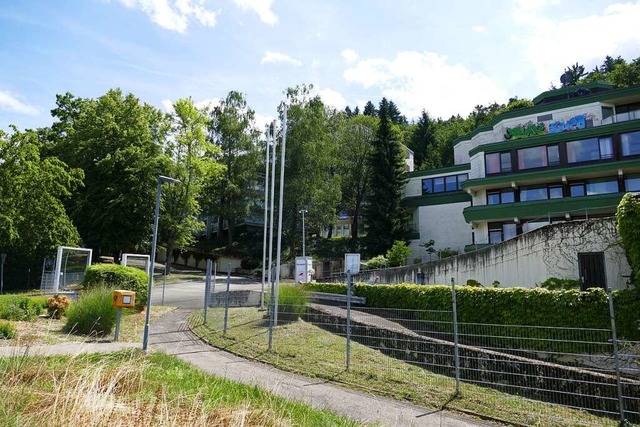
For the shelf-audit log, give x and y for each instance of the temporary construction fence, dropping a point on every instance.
(528, 374)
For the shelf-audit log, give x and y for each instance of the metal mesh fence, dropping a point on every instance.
(523, 374)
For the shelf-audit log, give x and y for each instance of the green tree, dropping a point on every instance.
(370, 109)
(398, 254)
(311, 163)
(116, 140)
(422, 141)
(628, 219)
(33, 220)
(232, 129)
(193, 162)
(384, 217)
(356, 143)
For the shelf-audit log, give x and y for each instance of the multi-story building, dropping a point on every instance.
(572, 155)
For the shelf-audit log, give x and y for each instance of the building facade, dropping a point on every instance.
(572, 155)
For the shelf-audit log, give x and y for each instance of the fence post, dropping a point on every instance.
(207, 290)
(226, 301)
(348, 318)
(616, 358)
(456, 352)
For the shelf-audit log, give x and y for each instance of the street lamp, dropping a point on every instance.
(303, 212)
(161, 179)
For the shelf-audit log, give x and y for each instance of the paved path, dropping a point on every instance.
(171, 334)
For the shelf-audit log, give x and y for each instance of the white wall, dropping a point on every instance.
(551, 251)
(444, 224)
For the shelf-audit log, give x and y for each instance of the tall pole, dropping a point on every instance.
(266, 210)
(279, 249)
(304, 252)
(161, 179)
(272, 198)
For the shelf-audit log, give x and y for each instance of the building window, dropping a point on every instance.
(555, 192)
(586, 150)
(498, 162)
(632, 183)
(630, 143)
(501, 231)
(602, 186)
(594, 187)
(443, 184)
(496, 197)
(577, 189)
(538, 157)
(462, 178)
(528, 194)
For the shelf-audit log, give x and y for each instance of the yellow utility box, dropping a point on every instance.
(124, 299)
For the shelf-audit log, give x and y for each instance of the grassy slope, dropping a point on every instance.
(133, 389)
(308, 350)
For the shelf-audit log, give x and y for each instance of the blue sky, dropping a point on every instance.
(442, 56)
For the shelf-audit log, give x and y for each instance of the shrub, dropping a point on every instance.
(628, 219)
(115, 276)
(508, 306)
(474, 283)
(19, 307)
(7, 330)
(398, 254)
(376, 262)
(557, 284)
(92, 314)
(292, 302)
(57, 306)
(447, 252)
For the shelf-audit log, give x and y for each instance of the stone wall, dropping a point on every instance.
(528, 259)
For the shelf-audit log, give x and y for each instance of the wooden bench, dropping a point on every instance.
(336, 298)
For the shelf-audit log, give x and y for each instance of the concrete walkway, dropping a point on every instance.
(171, 335)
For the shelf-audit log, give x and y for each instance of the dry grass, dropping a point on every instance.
(45, 330)
(131, 389)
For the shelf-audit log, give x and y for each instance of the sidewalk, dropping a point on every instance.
(171, 335)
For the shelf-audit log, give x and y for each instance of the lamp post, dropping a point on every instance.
(304, 251)
(161, 179)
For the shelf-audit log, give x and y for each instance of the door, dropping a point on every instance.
(591, 267)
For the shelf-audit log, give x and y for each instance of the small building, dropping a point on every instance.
(570, 156)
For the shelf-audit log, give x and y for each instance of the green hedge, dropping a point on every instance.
(115, 276)
(21, 307)
(507, 306)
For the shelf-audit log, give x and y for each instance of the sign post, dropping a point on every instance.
(351, 266)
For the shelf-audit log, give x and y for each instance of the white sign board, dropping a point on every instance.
(304, 269)
(352, 263)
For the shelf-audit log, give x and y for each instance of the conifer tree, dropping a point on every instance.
(385, 218)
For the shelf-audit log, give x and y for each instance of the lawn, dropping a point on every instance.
(44, 330)
(308, 350)
(129, 388)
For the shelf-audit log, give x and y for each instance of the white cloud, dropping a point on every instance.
(424, 80)
(261, 7)
(262, 121)
(167, 104)
(551, 44)
(480, 29)
(208, 103)
(271, 57)
(175, 15)
(332, 98)
(350, 55)
(9, 102)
